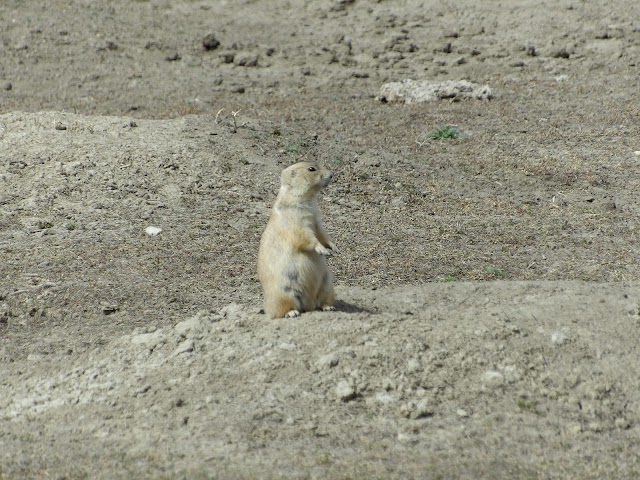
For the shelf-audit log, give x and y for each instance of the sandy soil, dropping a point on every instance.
(489, 315)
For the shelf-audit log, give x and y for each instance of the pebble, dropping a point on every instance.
(622, 423)
(152, 231)
(407, 438)
(559, 338)
(595, 427)
(492, 378)
(246, 60)
(562, 53)
(185, 347)
(232, 310)
(149, 340)
(385, 398)
(227, 57)
(189, 325)
(413, 365)
(329, 360)
(575, 429)
(210, 42)
(109, 309)
(345, 391)
(416, 410)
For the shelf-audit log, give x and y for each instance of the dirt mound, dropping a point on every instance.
(462, 378)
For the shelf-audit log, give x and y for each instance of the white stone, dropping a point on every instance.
(152, 231)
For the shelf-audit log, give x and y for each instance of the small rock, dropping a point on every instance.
(341, 5)
(231, 311)
(210, 42)
(416, 410)
(227, 57)
(559, 338)
(60, 126)
(492, 378)
(575, 429)
(185, 347)
(237, 89)
(345, 391)
(461, 412)
(389, 384)
(622, 423)
(531, 51)
(246, 60)
(407, 438)
(328, 360)
(413, 365)
(133, 124)
(109, 309)
(446, 48)
(173, 57)
(189, 325)
(149, 340)
(108, 45)
(385, 398)
(562, 53)
(7, 86)
(595, 427)
(369, 162)
(153, 231)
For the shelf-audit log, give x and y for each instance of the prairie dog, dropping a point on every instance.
(291, 264)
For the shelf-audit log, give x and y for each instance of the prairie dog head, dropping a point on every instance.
(305, 178)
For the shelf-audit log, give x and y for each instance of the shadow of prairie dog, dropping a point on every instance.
(291, 264)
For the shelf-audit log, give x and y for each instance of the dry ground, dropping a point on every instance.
(488, 324)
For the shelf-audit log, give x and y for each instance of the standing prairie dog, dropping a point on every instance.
(291, 264)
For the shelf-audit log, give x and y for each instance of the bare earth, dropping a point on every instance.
(488, 323)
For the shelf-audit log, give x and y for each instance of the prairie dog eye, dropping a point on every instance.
(312, 169)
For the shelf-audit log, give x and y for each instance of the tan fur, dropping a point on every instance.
(291, 264)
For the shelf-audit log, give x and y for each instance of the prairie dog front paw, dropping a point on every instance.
(322, 250)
